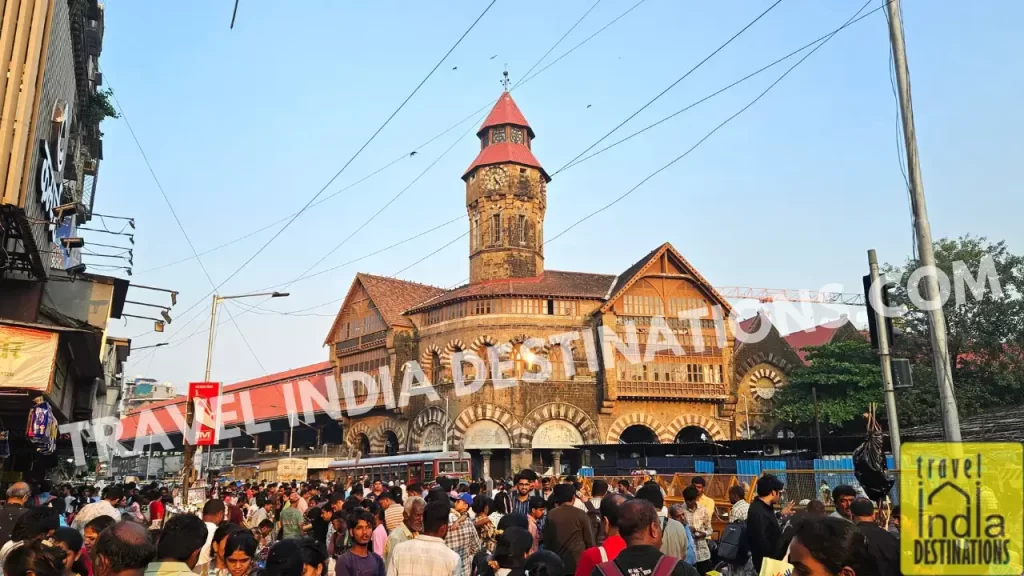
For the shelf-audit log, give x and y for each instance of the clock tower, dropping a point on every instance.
(506, 195)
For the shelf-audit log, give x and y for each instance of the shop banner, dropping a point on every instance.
(26, 358)
(205, 397)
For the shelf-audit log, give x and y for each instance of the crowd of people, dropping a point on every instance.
(530, 526)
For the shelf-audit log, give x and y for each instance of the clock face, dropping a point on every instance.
(498, 134)
(495, 179)
(517, 135)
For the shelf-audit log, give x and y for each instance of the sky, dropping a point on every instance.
(244, 126)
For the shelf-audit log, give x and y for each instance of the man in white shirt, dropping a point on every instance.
(427, 554)
(213, 515)
(105, 507)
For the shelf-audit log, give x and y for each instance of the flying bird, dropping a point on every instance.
(589, 105)
(413, 153)
(455, 67)
(493, 57)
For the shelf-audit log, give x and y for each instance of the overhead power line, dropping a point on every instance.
(406, 155)
(350, 160)
(817, 43)
(487, 106)
(678, 80)
(181, 227)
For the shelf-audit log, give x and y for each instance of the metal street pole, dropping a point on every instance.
(875, 301)
(926, 254)
(817, 425)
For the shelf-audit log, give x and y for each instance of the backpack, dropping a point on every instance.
(594, 515)
(732, 544)
(664, 567)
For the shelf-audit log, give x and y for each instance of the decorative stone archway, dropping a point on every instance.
(377, 438)
(517, 435)
(561, 411)
(707, 424)
(427, 363)
(423, 430)
(623, 422)
(352, 435)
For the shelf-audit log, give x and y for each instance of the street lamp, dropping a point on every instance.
(213, 320)
(190, 415)
(291, 428)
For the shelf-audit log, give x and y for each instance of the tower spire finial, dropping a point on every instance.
(505, 80)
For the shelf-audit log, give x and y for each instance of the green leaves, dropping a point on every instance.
(847, 377)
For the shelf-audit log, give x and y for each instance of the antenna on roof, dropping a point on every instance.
(505, 80)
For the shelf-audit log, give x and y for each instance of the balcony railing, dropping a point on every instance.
(673, 390)
(359, 342)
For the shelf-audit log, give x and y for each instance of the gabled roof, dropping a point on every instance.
(504, 153)
(553, 283)
(505, 111)
(390, 295)
(814, 336)
(634, 272)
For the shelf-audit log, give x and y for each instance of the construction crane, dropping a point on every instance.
(769, 295)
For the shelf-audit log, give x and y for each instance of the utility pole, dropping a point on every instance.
(926, 255)
(875, 301)
(817, 425)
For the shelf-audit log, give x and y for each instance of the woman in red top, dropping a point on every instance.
(613, 543)
(156, 512)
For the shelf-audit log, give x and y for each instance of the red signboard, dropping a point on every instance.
(205, 397)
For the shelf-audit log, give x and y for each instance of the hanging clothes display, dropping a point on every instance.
(42, 427)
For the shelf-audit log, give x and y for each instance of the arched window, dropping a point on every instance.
(390, 443)
(435, 374)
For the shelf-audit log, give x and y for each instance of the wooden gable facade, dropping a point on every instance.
(656, 289)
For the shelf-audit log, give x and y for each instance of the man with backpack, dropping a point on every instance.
(640, 528)
(593, 508)
(732, 543)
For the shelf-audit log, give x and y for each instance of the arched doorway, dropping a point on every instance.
(692, 434)
(489, 446)
(638, 434)
(363, 444)
(554, 446)
(390, 443)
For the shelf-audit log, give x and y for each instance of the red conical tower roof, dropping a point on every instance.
(505, 111)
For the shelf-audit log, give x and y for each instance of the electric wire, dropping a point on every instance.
(181, 226)
(680, 79)
(350, 160)
(488, 105)
(709, 134)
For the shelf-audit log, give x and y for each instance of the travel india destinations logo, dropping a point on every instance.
(962, 508)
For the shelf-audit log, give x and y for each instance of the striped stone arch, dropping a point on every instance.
(741, 369)
(427, 362)
(353, 433)
(483, 341)
(428, 416)
(516, 434)
(709, 426)
(639, 418)
(377, 438)
(451, 348)
(561, 411)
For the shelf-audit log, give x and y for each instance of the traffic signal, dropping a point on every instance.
(885, 302)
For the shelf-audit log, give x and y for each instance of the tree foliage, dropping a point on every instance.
(98, 108)
(847, 377)
(986, 334)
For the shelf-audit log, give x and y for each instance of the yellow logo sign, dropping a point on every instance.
(961, 508)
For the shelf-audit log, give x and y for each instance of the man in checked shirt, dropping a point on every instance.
(462, 536)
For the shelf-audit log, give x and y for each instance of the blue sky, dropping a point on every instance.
(244, 126)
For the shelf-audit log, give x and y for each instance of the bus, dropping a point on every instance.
(406, 468)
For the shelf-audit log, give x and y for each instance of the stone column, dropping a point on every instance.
(485, 455)
(557, 454)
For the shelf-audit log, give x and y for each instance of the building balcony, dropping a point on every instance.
(360, 342)
(697, 391)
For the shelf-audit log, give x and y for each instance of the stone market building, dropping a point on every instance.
(509, 310)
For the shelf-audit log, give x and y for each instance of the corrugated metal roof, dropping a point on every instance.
(551, 283)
